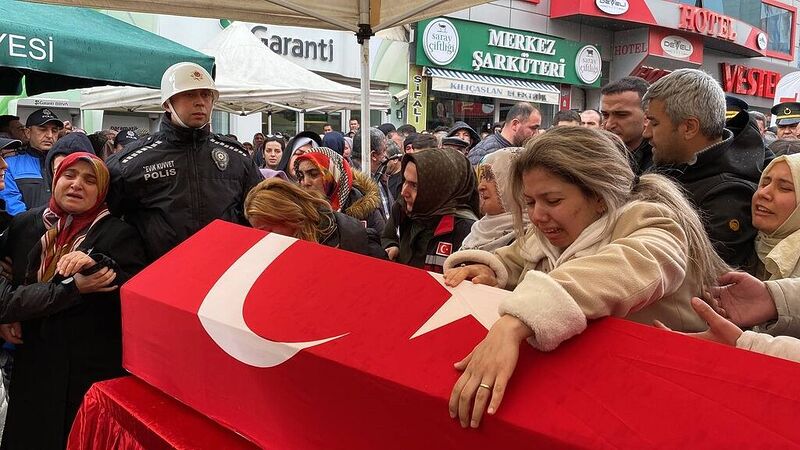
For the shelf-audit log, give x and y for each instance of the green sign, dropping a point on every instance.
(485, 49)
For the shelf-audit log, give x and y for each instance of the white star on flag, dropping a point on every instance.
(466, 299)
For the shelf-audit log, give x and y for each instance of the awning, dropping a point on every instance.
(60, 47)
(491, 86)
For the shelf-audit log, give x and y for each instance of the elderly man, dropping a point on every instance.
(522, 122)
(181, 178)
(720, 171)
(621, 106)
(787, 118)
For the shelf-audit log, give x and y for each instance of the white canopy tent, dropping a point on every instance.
(250, 78)
(363, 17)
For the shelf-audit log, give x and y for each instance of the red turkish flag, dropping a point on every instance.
(364, 383)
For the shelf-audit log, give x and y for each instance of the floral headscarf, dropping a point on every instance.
(337, 174)
(65, 232)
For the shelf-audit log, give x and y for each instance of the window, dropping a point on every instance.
(778, 23)
(220, 122)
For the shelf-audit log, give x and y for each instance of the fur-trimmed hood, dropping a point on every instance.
(364, 198)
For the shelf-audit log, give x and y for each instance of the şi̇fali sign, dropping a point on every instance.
(491, 50)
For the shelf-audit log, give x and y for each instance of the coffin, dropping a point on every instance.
(300, 346)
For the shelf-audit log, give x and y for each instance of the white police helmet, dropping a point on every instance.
(185, 76)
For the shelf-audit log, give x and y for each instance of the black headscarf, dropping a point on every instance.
(446, 183)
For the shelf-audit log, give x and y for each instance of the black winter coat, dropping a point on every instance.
(351, 235)
(177, 181)
(72, 341)
(721, 183)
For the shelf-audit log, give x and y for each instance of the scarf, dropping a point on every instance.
(336, 172)
(778, 251)
(65, 231)
(492, 232)
(538, 249)
(446, 183)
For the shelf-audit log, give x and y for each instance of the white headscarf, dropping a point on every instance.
(492, 232)
(779, 251)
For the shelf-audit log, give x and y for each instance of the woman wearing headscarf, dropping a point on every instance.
(76, 256)
(334, 140)
(776, 215)
(496, 228)
(437, 206)
(298, 145)
(775, 211)
(278, 206)
(349, 191)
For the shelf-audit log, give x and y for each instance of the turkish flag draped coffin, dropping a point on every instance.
(299, 346)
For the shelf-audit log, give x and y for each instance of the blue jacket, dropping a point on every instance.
(490, 144)
(25, 187)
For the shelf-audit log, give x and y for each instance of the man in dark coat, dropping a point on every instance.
(522, 122)
(621, 105)
(720, 170)
(181, 178)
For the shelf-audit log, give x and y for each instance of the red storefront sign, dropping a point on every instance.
(703, 21)
(651, 74)
(744, 80)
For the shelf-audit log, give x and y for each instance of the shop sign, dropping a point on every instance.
(417, 101)
(630, 49)
(677, 47)
(613, 7)
(761, 41)
(703, 21)
(480, 48)
(744, 80)
(32, 47)
(650, 74)
(588, 64)
(440, 41)
(495, 91)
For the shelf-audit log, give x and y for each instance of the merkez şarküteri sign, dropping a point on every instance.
(491, 50)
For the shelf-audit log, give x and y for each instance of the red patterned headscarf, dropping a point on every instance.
(65, 231)
(336, 171)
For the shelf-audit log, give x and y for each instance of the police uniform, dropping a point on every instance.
(178, 180)
(734, 106)
(786, 113)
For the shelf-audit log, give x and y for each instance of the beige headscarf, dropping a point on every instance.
(780, 250)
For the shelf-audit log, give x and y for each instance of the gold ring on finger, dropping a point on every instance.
(485, 386)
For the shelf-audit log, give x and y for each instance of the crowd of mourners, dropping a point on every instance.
(670, 205)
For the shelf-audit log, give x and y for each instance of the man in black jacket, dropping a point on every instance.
(720, 170)
(181, 178)
(621, 103)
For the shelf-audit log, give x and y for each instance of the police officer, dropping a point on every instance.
(176, 181)
(787, 116)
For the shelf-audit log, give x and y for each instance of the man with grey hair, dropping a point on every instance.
(522, 122)
(720, 170)
(377, 154)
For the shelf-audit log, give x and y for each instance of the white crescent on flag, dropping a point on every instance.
(221, 312)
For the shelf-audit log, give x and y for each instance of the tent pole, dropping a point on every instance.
(269, 122)
(363, 35)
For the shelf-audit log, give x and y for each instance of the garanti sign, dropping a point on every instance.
(490, 50)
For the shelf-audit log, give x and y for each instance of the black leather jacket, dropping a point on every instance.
(178, 180)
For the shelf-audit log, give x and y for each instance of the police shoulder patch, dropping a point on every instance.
(229, 144)
(135, 152)
(220, 158)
